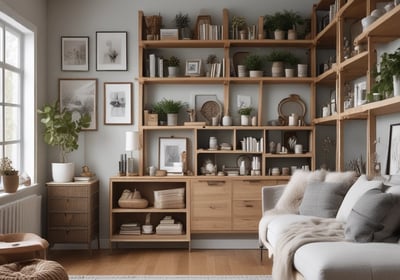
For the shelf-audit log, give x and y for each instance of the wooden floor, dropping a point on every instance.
(163, 262)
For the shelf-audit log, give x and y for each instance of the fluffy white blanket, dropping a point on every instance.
(301, 233)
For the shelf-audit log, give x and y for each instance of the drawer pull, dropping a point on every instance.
(213, 182)
(251, 181)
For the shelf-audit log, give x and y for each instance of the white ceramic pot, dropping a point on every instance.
(226, 121)
(255, 73)
(396, 85)
(172, 71)
(63, 172)
(302, 70)
(277, 69)
(172, 119)
(279, 34)
(245, 120)
(242, 71)
(292, 34)
(289, 72)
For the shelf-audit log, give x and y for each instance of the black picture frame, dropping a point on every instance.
(111, 51)
(393, 159)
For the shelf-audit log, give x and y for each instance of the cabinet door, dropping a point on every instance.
(211, 205)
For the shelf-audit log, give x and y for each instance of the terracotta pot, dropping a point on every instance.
(10, 183)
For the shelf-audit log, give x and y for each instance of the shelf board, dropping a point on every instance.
(182, 43)
(148, 210)
(149, 237)
(183, 80)
(383, 29)
(289, 155)
(355, 66)
(205, 151)
(328, 77)
(286, 127)
(271, 43)
(330, 120)
(383, 107)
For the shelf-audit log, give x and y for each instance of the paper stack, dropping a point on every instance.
(169, 226)
(131, 228)
(171, 198)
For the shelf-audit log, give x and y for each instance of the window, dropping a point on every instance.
(17, 110)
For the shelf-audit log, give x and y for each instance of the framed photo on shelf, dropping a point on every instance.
(393, 161)
(75, 53)
(172, 154)
(193, 67)
(111, 51)
(79, 96)
(118, 103)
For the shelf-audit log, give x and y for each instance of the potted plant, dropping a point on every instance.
(244, 113)
(281, 22)
(62, 131)
(278, 59)
(388, 76)
(182, 23)
(9, 175)
(173, 64)
(290, 62)
(255, 64)
(239, 27)
(171, 108)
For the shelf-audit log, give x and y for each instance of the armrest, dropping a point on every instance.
(270, 195)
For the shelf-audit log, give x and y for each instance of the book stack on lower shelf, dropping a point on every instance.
(170, 199)
(168, 225)
(130, 228)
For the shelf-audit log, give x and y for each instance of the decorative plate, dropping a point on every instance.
(246, 159)
(210, 109)
(292, 104)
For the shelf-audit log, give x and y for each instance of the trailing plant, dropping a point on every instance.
(6, 168)
(254, 62)
(173, 61)
(245, 111)
(169, 106)
(389, 67)
(60, 129)
(181, 20)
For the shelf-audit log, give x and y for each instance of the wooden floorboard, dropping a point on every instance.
(162, 262)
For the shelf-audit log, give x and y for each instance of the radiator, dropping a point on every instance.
(23, 215)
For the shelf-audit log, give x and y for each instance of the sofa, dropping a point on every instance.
(332, 225)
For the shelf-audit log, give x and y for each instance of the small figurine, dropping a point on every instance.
(86, 171)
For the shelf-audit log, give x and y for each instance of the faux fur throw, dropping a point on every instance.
(299, 234)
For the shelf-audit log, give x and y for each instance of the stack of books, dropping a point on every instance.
(171, 198)
(130, 228)
(168, 225)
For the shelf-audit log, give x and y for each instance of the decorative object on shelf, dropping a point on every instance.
(153, 24)
(298, 149)
(193, 67)
(281, 22)
(227, 120)
(393, 162)
(333, 102)
(302, 70)
(244, 164)
(131, 199)
(239, 58)
(292, 142)
(208, 168)
(86, 172)
(360, 93)
(279, 59)
(62, 131)
(111, 51)
(213, 143)
(172, 155)
(254, 64)
(9, 175)
(211, 109)
(173, 66)
(182, 23)
(245, 115)
(169, 108)
(388, 76)
(346, 48)
(292, 105)
(74, 53)
(251, 144)
(293, 119)
(118, 103)
(131, 145)
(239, 27)
(272, 147)
(202, 24)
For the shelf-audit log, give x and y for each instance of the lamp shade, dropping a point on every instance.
(131, 141)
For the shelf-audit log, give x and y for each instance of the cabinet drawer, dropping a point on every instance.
(68, 219)
(67, 204)
(69, 191)
(247, 189)
(68, 235)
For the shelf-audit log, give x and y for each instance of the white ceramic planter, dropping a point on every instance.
(396, 85)
(245, 120)
(302, 70)
(255, 73)
(63, 172)
(279, 34)
(292, 34)
(172, 71)
(289, 73)
(277, 69)
(226, 121)
(172, 119)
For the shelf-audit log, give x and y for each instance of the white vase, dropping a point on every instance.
(302, 70)
(172, 119)
(172, 71)
(244, 120)
(396, 85)
(255, 73)
(277, 69)
(63, 172)
(226, 121)
(289, 73)
(242, 71)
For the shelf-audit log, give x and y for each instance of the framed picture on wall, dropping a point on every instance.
(79, 96)
(172, 154)
(393, 162)
(111, 51)
(118, 103)
(74, 53)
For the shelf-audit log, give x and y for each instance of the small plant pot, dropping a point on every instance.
(289, 72)
(172, 71)
(279, 34)
(277, 69)
(255, 73)
(10, 183)
(63, 172)
(243, 34)
(292, 34)
(244, 120)
(242, 72)
(302, 70)
(226, 121)
(172, 119)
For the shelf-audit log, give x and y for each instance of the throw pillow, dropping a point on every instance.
(293, 194)
(355, 192)
(374, 218)
(323, 199)
(348, 177)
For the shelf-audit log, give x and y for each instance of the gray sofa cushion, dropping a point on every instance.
(323, 199)
(374, 218)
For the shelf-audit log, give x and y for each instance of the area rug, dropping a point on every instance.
(169, 277)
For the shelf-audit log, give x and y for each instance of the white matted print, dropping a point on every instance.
(172, 154)
(118, 103)
(74, 53)
(79, 96)
(111, 51)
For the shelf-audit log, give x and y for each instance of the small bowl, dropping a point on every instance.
(377, 12)
(367, 21)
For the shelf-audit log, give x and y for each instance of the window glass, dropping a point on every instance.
(13, 47)
(12, 87)
(12, 123)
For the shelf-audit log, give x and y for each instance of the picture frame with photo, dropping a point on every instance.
(393, 160)
(74, 53)
(118, 103)
(193, 67)
(79, 96)
(172, 154)
(111, 51)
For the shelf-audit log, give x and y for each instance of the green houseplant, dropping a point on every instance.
(279, 59)
(388, 76)
(281, 22)
(255, 64)
(182, 23)
(173, 64)
(62, 131)
(244, 113)
(9, 175)
(170, 108)
(239, 27)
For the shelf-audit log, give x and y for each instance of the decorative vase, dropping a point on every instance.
(172, 71)
(10, 183)
(172, 119)
(255, 73)
(185, 33)
(396, 85)
(245, 120)
(289, 73)
(302, 70)
(226, 121)
(277, 69)
(242, 71)
(63, 172)
(279, 34)
(292, 34)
